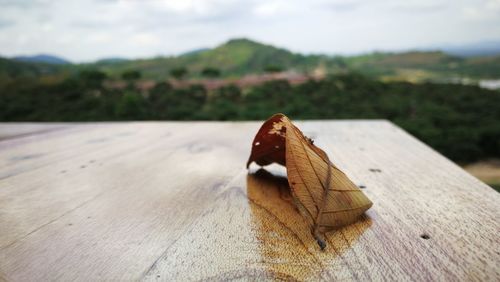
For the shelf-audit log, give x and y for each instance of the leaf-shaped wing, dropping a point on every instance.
(268, 146)
(330, 198)
(303, 178)
(344, 204)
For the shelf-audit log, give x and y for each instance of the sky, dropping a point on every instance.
(86, 30)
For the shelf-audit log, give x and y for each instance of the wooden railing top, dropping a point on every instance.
(173, 201)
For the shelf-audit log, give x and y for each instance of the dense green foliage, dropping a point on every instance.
(131, 75)
(460, 121)
(495, 186)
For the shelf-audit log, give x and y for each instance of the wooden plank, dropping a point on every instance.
(173, 201)
(10, 130)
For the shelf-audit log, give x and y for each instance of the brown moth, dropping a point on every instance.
(325, 196)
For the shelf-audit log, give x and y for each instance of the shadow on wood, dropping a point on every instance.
(287, 247)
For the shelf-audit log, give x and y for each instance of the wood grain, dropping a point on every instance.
(173, 201)
(18, 129)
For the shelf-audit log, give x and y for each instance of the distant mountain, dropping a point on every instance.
(195, 51)
(486, 48)
(13, 68)
(111, 60)
(42, 58)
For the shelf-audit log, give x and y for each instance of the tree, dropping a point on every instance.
(131, 75)
(210, 72)
(131, 106)
(179, 73)
(92, 78)
(225, 103)
(161, 99)
(273, 68)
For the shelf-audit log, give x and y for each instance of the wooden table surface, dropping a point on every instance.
(173, 201)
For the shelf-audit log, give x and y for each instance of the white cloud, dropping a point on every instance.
(145, 39)
(275, 7)
(482, 10)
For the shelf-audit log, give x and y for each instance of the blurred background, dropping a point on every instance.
(431, 67)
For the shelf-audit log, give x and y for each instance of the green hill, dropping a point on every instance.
(233, 58)
(240, 56)
(13, 68)
(12, 71)
(420, 66)
(43, 58)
